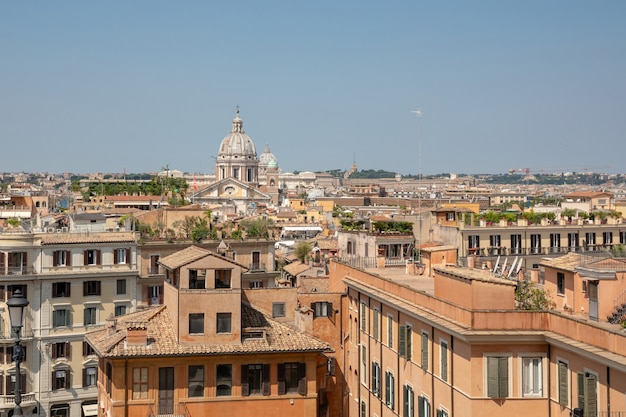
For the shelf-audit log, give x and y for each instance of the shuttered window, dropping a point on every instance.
(404, 341)
(444, 360)
(563, 384)
(424, 351)
(497, 376)
(408, 400)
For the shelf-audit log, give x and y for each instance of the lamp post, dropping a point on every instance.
(16, 314)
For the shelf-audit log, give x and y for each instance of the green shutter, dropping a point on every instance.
(408, 342)
(563, 386)
(591, 396)
(444, 361)
(580, 382)
(425, 351)
(421, 402)
(405, 401)
(402, 341)
(492, 377)
(503, 368)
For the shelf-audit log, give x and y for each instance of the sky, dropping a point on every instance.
(138, 85)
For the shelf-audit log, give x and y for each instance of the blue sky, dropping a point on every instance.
(108, 86)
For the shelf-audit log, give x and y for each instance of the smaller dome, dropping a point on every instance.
(272, 164)
(267, 157)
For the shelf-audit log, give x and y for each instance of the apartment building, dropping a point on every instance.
(206, 350)
(455, 345)
(73, 281)
(528, 242)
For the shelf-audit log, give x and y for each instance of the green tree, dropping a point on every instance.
(303, 249)
(257, 228)
(200, 230)
(529, 296)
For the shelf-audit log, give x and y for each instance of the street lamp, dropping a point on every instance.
(16, 314)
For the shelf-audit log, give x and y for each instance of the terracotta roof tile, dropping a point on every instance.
(162, 339)
(183, 257)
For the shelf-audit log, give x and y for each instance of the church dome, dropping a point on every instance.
(237, 144)
(267, 157)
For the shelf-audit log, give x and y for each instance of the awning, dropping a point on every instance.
(90, 410)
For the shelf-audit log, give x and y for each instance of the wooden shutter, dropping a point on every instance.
(68, 258)
(54, 351)
(265, 383)
(302, 378)
(85, 257)
(127, 256)
(245, 386)
(409, 348)
(563, 386)
(421, 405)
(2, 263)
(98, 257)
(503, 370)
(402, 341)
(580, 379)
(98, 287)
(115, 256)
(387, 388)
(55, 258)
(282, 386)
(405, 401)
(84, 377)
(492, 377)
(68, 350)
(24, 264)
(68, 379)
(591, 396)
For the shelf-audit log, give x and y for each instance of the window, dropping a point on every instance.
(155, 294)
(256, 284)
(92, 257)
(563, 383)
(390, 331)
(572, 241)
(497, 376)
(607, 238)
(60, 379)
(224, 322)
(322, 309)
(442, 413)
(532, 377)
(494, 241)
(555, 242)
(197, 279)
(590, 238)
(61, 317)
(424, 351)
(363, 316)
(224, 379)
(535, 243)
(60, 410)
(90, 316)
(423, 407)
(196, 323)
(408, 400)
(90, 376)
(120, 310)
(376, 324)
(61, 289)
(88, 350)
(61, 350)
(376, 379)
(140, 383)
(108, 374)
(222, 278)
(11, 380)
(622, 237)
(154, 265)
(450, 217)
(404, 342)
(9, 355)
(443, 366)
(121, 256)
(389, 389)
(195, 386)
(474, 242)
(588, 393)
(120, 287)
(91, 288)
(255, 379)
(364, 364)
(292, 378)
(278, 309)
(516, 244)
(560, 283)
(363, 409)
(61, 258)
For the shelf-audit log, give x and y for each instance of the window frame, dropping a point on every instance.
(195, 321)
(90, 316)
(140, 383)
(120, 286)
(195, 383)
(390, 386)
(532, 384)
(499, 384)
(278, 309)
(61, 289)
(221, 377)
(221, 320)
(443, 359)
(560, 283)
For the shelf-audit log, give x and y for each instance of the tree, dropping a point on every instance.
(200, 230)
(303, 249)
(568, 213)
(529, 296)
(257, 228)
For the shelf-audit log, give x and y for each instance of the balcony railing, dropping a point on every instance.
(555, 250)
(9, 400)
(155, 271)
(16, 270)
(257, 266)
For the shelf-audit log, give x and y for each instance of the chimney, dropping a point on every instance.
(136, 333)
(110, 324)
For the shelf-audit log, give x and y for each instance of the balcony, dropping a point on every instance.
(256, 267)
(16, 270)
(8, 401)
